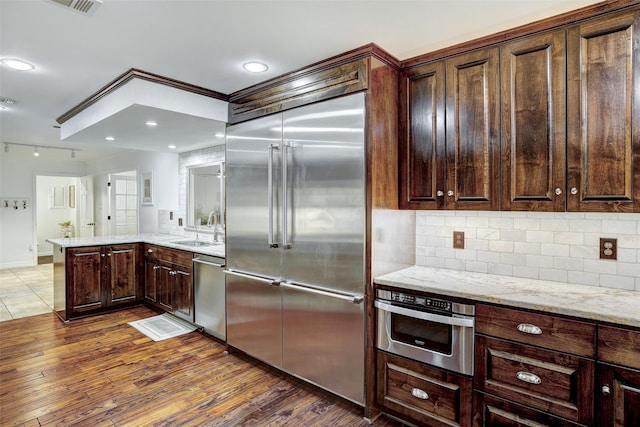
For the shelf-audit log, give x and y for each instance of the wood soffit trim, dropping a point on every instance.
(368, 50)
(543, 25)
(131, 74)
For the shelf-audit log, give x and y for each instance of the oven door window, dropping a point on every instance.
(421, 333)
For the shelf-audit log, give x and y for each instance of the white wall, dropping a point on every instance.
(47, 217)
(165, 181)
(561, 247)
(17, 181)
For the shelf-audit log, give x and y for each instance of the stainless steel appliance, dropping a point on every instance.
(296, 242)
(429, 330)
(208, 282)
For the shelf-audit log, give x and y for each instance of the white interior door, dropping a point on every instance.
(85, 207)
(124, 204)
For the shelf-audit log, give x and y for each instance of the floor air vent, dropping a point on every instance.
(86, 7)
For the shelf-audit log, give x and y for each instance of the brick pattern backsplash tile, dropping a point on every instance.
(561, 247)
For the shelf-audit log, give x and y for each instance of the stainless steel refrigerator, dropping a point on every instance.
(295, 242)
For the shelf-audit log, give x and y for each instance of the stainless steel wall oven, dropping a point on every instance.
(429, 330)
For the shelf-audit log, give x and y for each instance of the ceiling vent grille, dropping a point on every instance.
(86, 7)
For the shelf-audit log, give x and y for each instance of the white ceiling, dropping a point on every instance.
(205, 43)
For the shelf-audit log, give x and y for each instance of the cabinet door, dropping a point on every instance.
(165, 287)
(473, 132)
(603, 152)
(533, 123)
(618, 396)
(151, 279)
(85, 272)
(123, 280)
(182, 292)
(422, 137)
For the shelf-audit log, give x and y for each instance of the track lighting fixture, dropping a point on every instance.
(36, 148)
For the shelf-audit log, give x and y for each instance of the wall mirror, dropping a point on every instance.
(205, 195)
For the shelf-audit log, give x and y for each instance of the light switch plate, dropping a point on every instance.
(458, 239)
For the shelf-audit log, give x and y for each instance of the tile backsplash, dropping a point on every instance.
(561, 247)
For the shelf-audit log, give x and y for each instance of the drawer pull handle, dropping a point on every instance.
(529, 329)
(528, 377)
(420, 394)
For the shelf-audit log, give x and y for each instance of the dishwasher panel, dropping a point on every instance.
(210, 295)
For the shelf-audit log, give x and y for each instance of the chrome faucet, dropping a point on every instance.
(213, 214)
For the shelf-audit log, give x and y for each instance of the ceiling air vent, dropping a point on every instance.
(86, 7)
(5, 100)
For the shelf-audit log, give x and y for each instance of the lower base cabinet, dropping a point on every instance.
(490, 411)
(423, 394)
(168, 282)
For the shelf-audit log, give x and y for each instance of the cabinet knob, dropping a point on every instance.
(149, 251)
(420, 394)
(155, 267)
(574, 191)
(440, 193)
(102, 255)
(606, 391)
(558, 191)
(109, 254)
(450, 193)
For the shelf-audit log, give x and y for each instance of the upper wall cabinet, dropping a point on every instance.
(603, 152)
(453, 166)
(422, 137)
(533, 123)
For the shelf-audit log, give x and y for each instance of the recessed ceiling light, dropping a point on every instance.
(36, 152)
(2, 107)
(171, 146)
(109, 138)
(151, 123)
(17, 64)
(255, 67)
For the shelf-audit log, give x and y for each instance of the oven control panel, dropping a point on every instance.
(420, 301)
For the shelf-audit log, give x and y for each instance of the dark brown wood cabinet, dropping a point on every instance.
(533, 92)
(421, 393)
(168, 282)
(618, 377)
(603, 153)
(422, 141)
(449, 144)
(545, 363)
(101, 276)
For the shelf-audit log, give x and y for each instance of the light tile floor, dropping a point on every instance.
(26, 291)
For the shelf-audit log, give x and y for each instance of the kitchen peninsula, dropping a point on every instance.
(95, 274)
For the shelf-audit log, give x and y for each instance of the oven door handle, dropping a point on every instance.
(468, 322)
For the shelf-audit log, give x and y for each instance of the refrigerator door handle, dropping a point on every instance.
(285, 205)
(355, 299)
(270, 239)
(249, 276)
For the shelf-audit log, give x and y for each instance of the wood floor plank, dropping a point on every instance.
(99, 371)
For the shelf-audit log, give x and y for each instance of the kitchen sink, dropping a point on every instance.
(196, 243)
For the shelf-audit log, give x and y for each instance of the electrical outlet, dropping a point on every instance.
(608, 248)
(458, 239)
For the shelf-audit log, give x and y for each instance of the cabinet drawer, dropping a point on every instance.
(491, 411)
(541, 330)
(619, 346)
(554, 382)
(174, 256)
(423, 393)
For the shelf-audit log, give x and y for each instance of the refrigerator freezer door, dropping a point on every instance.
(323, 342)
(254, 317)
(324, 207)
(250, 148)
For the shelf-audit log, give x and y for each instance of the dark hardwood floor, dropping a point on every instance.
(99, 371)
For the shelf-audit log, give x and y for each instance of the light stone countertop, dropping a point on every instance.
(589, 302)
(167, 240)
